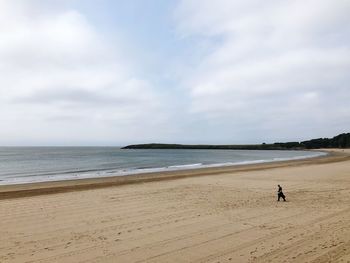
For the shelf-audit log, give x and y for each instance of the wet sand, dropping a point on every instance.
(225, 214)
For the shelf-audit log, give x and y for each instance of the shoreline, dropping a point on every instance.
(72, 173)
(204, 215)
(52, 187)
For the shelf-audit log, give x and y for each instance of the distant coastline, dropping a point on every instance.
(339, 141)
(210, 147)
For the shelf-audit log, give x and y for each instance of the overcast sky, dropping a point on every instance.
(115, 72)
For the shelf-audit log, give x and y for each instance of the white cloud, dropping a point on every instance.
(282, 65)
(62, 79)
(262, 70)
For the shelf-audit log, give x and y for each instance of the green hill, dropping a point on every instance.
(339, 141)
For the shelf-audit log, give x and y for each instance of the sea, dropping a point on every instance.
(20, 165)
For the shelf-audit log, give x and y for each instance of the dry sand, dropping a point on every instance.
(213, 215)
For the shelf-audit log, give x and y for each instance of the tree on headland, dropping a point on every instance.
(339, 141)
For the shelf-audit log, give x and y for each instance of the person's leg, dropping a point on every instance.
(279, 197)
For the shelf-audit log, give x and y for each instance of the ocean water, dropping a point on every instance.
(37, 164)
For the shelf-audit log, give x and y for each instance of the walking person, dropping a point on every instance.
(280, 194)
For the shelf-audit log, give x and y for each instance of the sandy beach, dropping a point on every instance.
(228, 214)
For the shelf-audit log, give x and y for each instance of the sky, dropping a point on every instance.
(113, 72)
